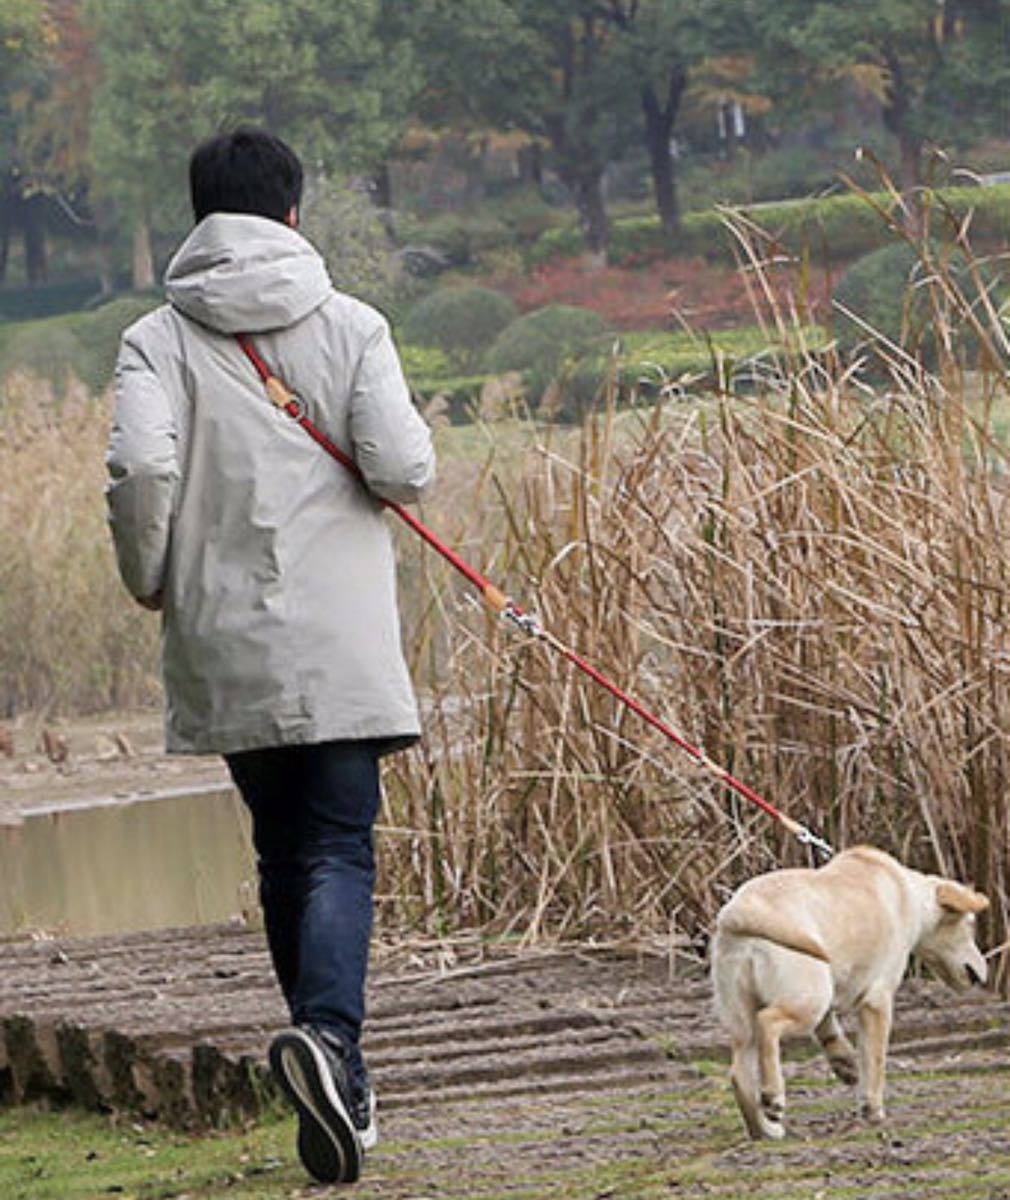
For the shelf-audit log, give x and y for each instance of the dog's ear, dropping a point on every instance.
(955, 897)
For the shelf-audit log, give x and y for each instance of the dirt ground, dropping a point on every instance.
(590, 1072)
(558, 1072)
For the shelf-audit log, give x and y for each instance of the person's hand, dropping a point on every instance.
(152, 603)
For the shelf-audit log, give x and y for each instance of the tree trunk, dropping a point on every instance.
(36, 261)
(103, 267)
(531, 165)
(895, 113)
(659, 122)
(910, 147)
(475, 171)
(580, 172)
(593, 215)
(382, 188)
(143, 256)
(730, 140)
(7, 221)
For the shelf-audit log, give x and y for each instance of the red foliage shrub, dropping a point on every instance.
(661, 295)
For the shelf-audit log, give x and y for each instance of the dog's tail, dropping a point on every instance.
(762, 920)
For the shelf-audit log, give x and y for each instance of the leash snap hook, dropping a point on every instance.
(523, 620)
(807, 838)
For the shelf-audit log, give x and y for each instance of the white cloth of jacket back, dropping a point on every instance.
(280, 619)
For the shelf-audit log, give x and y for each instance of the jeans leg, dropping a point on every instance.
(313, 809)
(270, 789)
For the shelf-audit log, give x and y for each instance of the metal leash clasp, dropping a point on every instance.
(807, 838)
(523, 620)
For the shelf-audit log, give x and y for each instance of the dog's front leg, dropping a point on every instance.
(840, 1051)
(874, 1034)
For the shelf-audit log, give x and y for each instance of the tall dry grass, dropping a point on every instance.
(70, 639)
(807, 577)
(804, 572)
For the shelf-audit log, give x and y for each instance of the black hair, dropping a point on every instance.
(245, 171)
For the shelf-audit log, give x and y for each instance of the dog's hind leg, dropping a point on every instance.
(840, 1051)
(744, 1078)
(774, 1023)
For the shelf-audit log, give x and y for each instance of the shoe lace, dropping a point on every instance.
(361, 1106)
(358, 1092)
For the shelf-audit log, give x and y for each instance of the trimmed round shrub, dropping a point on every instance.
(83, 344)
(544, 343)
(47, 348)
(876, 288)
(462, 322)
(886, 289)
(99, 331)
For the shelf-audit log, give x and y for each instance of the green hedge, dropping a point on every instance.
(841, 227)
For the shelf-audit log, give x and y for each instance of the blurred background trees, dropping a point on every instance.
(595, 102)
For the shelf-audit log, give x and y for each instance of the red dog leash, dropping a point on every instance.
(282, 396)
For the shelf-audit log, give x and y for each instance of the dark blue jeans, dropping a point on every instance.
(313, 808)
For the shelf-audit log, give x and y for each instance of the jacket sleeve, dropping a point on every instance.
(392, 443)
(143, 468)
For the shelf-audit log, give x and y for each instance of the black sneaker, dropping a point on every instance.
(310, 1068)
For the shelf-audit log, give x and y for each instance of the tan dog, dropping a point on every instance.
(793, 947)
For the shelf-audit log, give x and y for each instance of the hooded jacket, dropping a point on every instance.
(275, 565)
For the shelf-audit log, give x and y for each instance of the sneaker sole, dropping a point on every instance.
(327, 1142)
(369, 1136)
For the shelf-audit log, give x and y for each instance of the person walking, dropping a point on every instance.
(273, 569)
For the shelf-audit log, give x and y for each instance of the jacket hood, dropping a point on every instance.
(244, 274)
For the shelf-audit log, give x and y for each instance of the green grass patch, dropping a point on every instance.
(681, 1138)
(72, 1156)
(646, 361)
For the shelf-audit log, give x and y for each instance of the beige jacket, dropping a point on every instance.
(280, 621)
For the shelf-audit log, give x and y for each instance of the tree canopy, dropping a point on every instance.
(101, 101)
(938, 67)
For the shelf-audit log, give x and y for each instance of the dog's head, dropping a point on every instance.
(948, 946)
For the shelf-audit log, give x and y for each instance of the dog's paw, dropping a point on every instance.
(844, 1067)
(874, 1113)
(773, 1129)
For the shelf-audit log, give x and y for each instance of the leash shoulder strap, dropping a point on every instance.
(282, 397)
